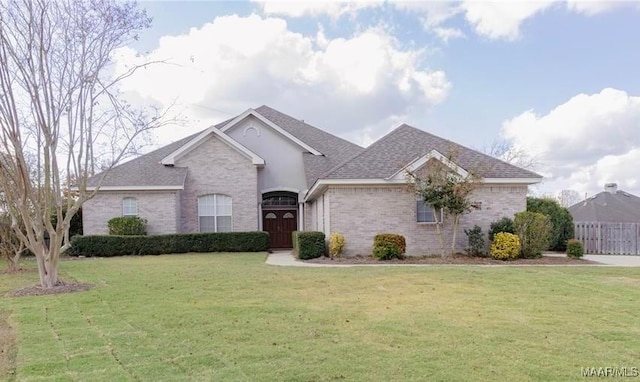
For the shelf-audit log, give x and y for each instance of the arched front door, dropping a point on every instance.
(280, 217)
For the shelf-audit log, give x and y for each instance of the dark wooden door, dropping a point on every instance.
(280, 224)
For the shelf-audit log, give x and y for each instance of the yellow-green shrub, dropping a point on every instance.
(575, 248)
(336, 244)
(386, 246)
(505, 246)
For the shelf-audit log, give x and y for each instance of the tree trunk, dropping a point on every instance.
(48, 268)
(443, 251)
(456, 221)
(12, 263)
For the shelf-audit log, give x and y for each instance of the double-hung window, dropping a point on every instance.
(214, 213)
(129, 207)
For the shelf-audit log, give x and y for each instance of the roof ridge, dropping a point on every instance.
(366, 149)
(304, 123)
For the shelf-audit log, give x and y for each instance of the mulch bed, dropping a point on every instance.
(62, 287)
(457, 259)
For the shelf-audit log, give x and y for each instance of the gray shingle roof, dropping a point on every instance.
(405, 144)
(341, 159)
(335, 150)
(619, 207)
(146, 170)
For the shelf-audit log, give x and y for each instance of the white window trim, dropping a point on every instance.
(124, 210)
(215, 211)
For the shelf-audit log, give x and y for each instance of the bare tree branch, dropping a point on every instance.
(59, 103)
(505, 150)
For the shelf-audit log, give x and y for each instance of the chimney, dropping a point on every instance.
(611, 188)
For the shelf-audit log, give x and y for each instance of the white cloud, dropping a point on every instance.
(492, 19)
(585, 142)
(501, 20)
(334, 9)
(447, 34)
(343, 84)
(594, 7)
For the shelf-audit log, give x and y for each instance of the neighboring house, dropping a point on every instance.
(608, 222)
(611, 205)
(265, 170)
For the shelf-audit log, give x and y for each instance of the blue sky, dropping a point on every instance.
(557, 80)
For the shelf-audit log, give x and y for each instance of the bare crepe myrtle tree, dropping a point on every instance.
(60, 110)
(442, 188)
(506, 151)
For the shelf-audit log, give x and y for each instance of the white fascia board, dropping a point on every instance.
(417, 163)
(272, 125)
(171, 158)
(512, 180)
(322, 184)
(136, 188)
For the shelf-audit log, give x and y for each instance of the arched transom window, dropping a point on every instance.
(214, 213)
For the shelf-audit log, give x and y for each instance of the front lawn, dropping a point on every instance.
(231, 317)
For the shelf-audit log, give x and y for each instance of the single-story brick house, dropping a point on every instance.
(265, 170)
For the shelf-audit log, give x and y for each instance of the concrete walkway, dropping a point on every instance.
(286, 259)
(617, 260)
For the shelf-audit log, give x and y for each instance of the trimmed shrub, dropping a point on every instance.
(503, 225)
(336, 244)
(127, 225)
(561, 221)
(138, 245)
(505, 246)
(387, 246)
(534, 230)
(575, 248)
(476, 241)
(309, 244)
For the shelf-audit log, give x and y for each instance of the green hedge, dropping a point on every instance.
(108, 246)
(309, 244)
(127, 225)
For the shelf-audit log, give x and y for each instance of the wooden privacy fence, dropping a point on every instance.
(609, 238)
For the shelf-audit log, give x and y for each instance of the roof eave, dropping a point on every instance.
(321, 184)
(134, 188)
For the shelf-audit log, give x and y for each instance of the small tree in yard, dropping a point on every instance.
(443, 189)
(534, 230)
(59, 110)
(561, 221)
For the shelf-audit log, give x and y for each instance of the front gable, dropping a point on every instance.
(170, 160)
(284, 165)
(424, 162)
(252, 113)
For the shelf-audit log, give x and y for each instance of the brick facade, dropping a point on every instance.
(158, 207)
(216, 168)
(359, 213)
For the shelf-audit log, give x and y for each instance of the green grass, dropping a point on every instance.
(231, 317)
